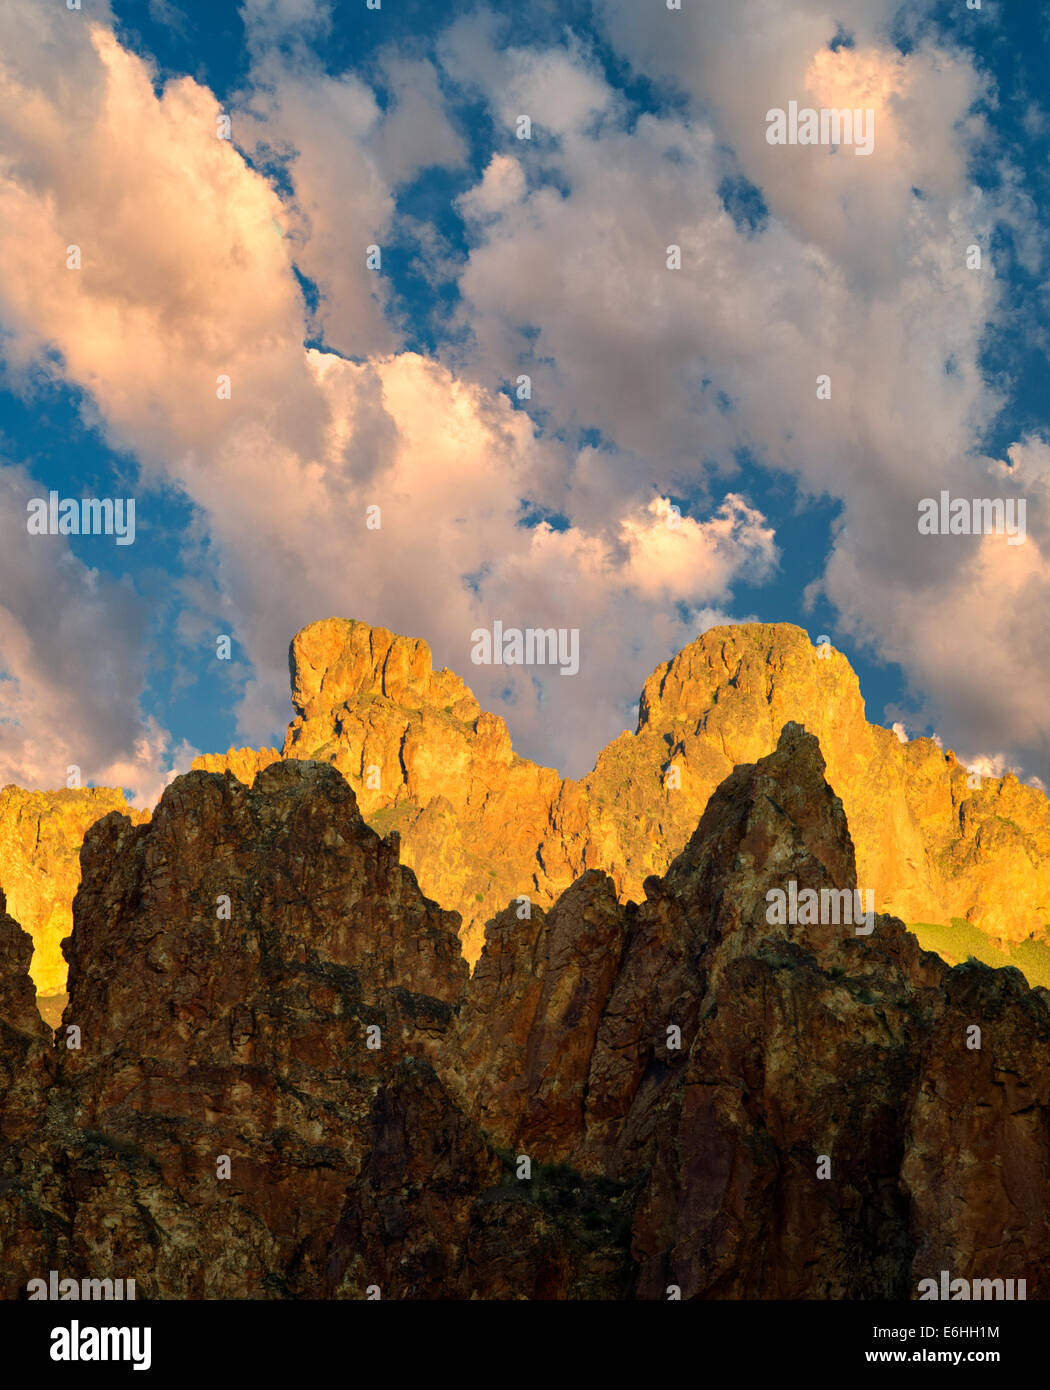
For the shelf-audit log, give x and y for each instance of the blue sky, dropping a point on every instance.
(498, 257)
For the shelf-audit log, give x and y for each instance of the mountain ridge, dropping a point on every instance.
(481, 825)
(286, 1084)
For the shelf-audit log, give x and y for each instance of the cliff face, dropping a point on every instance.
(40, 838)
(795, 1044)
(228, 962)
(480, 825)
(27, 1067)
(704, 1099)
(424, 759)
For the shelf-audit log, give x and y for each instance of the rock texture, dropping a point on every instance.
(40, 838)
(244, 763)
(28, 1190)
(480, 825)
(228, 961)
(797, 1042)
(705, 1100)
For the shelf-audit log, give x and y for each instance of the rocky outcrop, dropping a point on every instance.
(26, 1046)
(286, 1084)
(788, 1097)
(40, 838)
(28, 1191)
(480, 825)
(244, 970)
(425, 760)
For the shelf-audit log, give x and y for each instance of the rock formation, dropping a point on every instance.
(40, 838)
(480, 825)
(797, 1043)
(27, 1187)
(622, 1099)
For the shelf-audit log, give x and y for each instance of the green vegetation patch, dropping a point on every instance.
(962, 941)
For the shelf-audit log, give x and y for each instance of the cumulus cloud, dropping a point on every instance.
(857, 269)
(186, 276)
(73, 651)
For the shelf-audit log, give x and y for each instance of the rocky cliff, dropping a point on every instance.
(40, 838)
(480, 825)
(287, 1085)
(244, 971)
(801, 1110)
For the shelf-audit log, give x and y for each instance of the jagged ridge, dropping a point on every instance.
(653, 1164)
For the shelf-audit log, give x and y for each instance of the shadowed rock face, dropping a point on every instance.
(796, 1042)
(227, 963)
(26, 1071)
(740, 1108)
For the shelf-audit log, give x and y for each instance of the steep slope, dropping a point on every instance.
(480, 825)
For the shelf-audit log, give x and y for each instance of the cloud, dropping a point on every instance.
(73, 665)
(671, 558)
(189, 270)
(854, 268)
(185, 277)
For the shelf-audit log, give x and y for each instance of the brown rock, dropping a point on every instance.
(26, 1071)
(244, 1035)
(480, 825)
(799, 1043)
(691, 1091)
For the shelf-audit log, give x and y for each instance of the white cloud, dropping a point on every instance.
(72, 664)
(185, 276)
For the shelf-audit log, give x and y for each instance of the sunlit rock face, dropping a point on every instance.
(480, 825)
(40, 838)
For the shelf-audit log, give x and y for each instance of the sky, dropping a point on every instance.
(203, 324)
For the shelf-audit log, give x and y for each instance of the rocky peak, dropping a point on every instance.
(746, 681)
(481, 826)
(767, 1088)
(688, 1091)
(338, 661)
